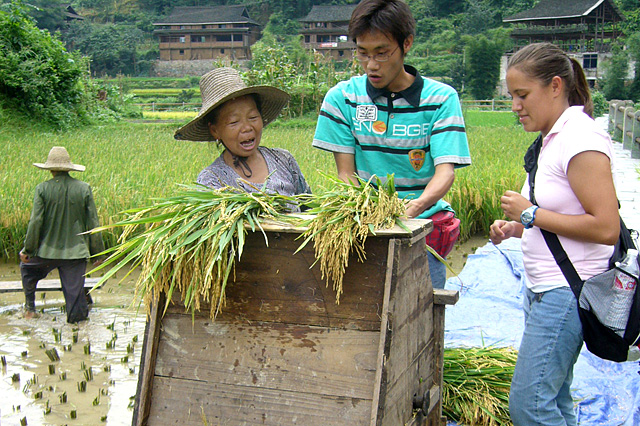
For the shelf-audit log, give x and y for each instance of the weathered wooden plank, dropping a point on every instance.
(43, 285)
(379, 390)
(335, 363)
(272, 284)
(435, 416)
(148, 364)
(189, 403)
(407, 369)
(412, 228)
(445, 297)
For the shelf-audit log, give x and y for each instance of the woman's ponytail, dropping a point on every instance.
(580, 93)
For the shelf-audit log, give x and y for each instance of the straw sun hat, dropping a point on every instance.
(221, 85)
(59, 161)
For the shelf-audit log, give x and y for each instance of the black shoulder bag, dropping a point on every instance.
(600, 339)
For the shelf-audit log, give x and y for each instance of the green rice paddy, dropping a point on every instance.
(128, 164)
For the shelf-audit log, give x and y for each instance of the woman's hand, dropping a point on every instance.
(513, 204)
(501, 230)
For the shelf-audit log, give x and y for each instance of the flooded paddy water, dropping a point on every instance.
(94, 380)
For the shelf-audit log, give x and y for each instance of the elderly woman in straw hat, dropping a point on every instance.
(234, 114)
(63, 211)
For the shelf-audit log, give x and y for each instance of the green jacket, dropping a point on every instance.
(63, 209)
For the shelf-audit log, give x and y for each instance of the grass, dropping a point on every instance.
(163, 92)
(130, 163)
(169, 115)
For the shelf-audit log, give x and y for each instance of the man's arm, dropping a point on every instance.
(96, 245)
(437, 188)
(32, 239)
(346, 165)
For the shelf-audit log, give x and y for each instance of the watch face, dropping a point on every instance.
(526, 217)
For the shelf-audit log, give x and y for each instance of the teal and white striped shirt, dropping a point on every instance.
(406, 133)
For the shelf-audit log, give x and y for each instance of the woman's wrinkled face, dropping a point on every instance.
(532, 101)
(239, 126)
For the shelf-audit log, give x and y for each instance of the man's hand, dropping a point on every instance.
(414, 208)
(24, 258)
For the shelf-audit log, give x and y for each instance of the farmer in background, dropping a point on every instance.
(63, 211)
(394, 121)
(234, 115)
(577, 201)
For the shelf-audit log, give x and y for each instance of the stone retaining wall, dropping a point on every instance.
(186, 68)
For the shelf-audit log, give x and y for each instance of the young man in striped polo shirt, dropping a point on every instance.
(394, 121)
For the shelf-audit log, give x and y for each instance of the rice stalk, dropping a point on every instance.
(344, 217)
(189, 243)
(476, 384)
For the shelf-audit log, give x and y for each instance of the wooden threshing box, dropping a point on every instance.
(282, 352)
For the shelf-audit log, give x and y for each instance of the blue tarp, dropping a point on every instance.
(489, 312)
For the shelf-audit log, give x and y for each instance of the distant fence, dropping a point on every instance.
(486, 105)
(624, 125)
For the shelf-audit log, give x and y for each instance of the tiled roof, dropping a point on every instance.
(550, 9)
(332, 13)
(207, 15)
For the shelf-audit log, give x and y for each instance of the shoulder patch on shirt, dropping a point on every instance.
(366, 113)
(416, 158)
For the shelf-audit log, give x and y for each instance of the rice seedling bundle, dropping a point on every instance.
(343, 219)
(476, 384)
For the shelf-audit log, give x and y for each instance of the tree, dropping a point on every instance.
(483, 66)
(633, 44)
(48, 14)
(616, 68)
(112, 48)
(281, 26)
(479, 17)
(37, 74)
(443, 8)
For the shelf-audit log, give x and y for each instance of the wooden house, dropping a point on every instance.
(70, 14)
(206, 32)
(583, 28)
(325, 30)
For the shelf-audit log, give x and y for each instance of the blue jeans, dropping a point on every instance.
(552, 339)
(437, 270)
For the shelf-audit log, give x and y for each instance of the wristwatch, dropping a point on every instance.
(527, 216)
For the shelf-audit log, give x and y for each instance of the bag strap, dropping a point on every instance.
(563, 261)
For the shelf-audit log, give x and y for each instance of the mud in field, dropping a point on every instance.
(458, 256)
(93, 382)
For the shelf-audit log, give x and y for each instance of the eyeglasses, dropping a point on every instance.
(378, 57)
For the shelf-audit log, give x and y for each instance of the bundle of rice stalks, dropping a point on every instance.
(476, 383)
(344, 217)
(189, 242)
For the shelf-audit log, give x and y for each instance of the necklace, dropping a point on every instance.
(241, 163)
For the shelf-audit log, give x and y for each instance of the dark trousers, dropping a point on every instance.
(72, 279)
